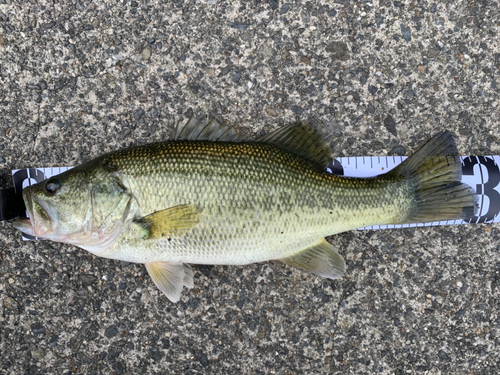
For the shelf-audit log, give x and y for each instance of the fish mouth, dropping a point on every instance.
(28, 202)
(24, 225)
(39, 223)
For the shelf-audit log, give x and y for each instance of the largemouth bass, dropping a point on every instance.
(209, 197)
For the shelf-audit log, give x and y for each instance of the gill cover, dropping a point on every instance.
(111, 207)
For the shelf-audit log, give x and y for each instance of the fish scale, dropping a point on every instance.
(258, 202)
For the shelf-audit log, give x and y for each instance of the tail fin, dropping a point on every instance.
(434, 173)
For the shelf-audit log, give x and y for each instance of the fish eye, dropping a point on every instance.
(52, 186)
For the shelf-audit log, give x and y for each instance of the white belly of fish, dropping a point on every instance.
(220, 241)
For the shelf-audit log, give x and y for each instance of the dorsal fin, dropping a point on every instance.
(204, 129)
(303, 140)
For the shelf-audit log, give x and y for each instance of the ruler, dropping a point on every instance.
(482, 173)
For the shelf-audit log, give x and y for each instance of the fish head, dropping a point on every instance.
(57, 208)
(85, 208)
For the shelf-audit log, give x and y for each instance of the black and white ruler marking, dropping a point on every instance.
(31, 176)
(482, 173)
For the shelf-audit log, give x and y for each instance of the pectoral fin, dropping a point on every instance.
(171, 222)
(321, 259)
(171, 277)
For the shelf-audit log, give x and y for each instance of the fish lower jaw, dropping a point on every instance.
(24, 225)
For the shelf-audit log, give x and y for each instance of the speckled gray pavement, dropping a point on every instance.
(80, 78)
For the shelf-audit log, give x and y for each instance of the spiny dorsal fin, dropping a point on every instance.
(171, 277)
(203, 129)
(171, 222)
(320, 258)
(303, 140)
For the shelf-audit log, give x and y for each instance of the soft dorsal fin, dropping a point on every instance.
(203, 129)
(303, 140)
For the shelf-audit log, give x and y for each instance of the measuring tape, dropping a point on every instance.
(482, 173)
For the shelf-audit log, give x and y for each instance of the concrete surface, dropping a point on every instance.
(80, 78)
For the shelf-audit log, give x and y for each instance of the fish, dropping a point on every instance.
(212, 196)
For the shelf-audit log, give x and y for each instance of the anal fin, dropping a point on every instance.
(171, 277)
(320, 258)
